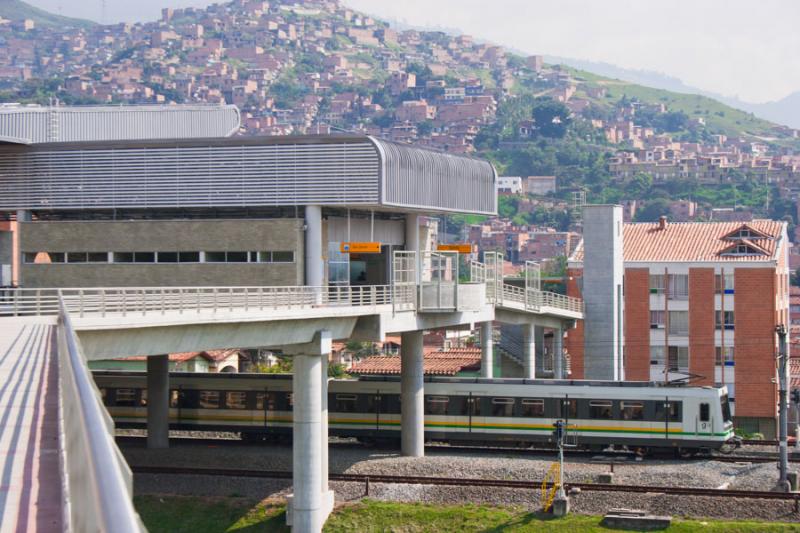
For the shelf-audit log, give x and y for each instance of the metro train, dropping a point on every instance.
(640, 415)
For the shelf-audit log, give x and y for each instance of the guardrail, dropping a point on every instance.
(126, 300)
(534, 300)
(98, 484)
(143, 300)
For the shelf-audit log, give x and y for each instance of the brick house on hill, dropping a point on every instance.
(702, 299)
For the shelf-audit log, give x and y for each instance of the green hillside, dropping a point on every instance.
(719, 118)
(18, 10)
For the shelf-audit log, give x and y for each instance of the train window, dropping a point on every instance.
(270, 399)
(143, 398)
(532, 408)
(289, 401)
(174, 396)
(567, 409)
(705, 412)
(502, 406)
(390, 404)
(436, 405)
(209, 399)
(104, 395)
(236, 400)
(126, 397)
(345, 403)
(632, 411)
(674, 409)
(600, 409)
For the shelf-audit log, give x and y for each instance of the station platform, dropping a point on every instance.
(30, 470)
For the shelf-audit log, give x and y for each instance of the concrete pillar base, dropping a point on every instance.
(792, 478)
(324, 511)
(561, 506)
(487, 350)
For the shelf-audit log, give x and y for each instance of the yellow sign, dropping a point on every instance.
(360, 247)
(460, 248)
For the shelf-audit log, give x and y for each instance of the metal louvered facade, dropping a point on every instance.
(33, 124)
(242, 172)
(439, 181)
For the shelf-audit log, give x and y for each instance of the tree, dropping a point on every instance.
(653, 210)
(639, 185)
(551, 117)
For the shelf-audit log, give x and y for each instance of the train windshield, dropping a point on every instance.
(726, 408)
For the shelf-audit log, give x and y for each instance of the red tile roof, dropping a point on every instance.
(435, 363)
(694, 241)
(209, 355)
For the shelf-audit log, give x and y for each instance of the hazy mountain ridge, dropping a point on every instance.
(785, 111)
(17, 10)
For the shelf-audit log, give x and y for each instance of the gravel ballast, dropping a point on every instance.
(460, 464)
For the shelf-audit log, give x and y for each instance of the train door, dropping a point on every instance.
(265, 408)
(377, 403)
(703, 422)
(666, 417)
(470, 410)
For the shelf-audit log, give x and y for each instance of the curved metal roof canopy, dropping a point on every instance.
(341, 170)
(41, 124)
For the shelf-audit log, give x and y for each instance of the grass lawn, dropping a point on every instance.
(206, 515)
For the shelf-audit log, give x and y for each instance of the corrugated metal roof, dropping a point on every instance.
(38, 124)
(695, 241)
(242, 172)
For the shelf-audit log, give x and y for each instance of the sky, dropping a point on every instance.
(744, 48)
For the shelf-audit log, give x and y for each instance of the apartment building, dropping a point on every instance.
(702, 300)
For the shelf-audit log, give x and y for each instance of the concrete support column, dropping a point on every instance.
(412, 239)
(23, 215)
(558, 355)
(412, 408)
(306, 503)
(312, 501)
(487, 350)
(528, 351)
(158, 401)
(314, 264)
(324, 420)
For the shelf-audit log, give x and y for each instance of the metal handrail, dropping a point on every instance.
(98, 483)
(144, 300)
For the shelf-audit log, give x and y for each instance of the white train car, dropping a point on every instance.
(635, 414)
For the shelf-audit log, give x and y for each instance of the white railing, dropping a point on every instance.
(123, 301)
(98, 485)
(534, 300)
(128, 300)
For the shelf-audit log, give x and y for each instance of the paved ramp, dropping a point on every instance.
(30, 472)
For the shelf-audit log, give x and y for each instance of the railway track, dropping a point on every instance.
(599, 457)
(470, 482)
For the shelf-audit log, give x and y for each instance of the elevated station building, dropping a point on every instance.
(180, 245)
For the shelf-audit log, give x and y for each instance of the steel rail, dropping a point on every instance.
(470, 482)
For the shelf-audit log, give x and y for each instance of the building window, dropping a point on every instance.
(657, 355)
(723, 287)
(76, 257)
(188, 257)
(678, 358)
(123, 257)
(656, 284)
(144, 257)
(724, 319)
(656, 319)
(167, 257)
(679, 322)
(678, 286)
(728, 350)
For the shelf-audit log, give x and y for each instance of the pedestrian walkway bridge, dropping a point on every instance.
(61, 468)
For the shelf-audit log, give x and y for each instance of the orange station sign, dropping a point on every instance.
(360, 247)
(463, 248)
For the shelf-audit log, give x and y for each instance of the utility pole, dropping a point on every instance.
(783, 418)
